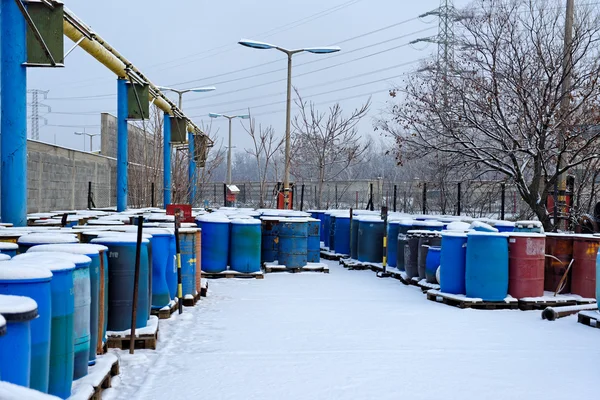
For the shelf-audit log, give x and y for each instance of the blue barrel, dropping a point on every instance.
(270, 239)
(332, 221)
(215, 243)
(10, 249)
(342, 234)
(171, 272)
(319, 214)
(432, 263)
(313, 245)
(453, 259)
(486, 273)
(393, 230)
(187, 246)
(35, 283)
(245, 249)
(370, 239)
(34, 239)
(161, 241)
(15, 346)
(504, 226)
(293, 242)
(325, 226)
(121, 275)
(354, 238)
(60, 377)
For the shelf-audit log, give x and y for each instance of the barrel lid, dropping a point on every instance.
(127, 234)
(482, 225)
(245, 221)
(213, 217)
(529, 224)
(526, 234)
(118, 239)
(10, 271)
(160, 218)
(8, 246)
(482, 233)
(458, 226)
(369, 218)
(503, 223)
(159, 231)
(73, 248)
(313, 219)
(560, 234)
(10, 232)
(293, 219)
(80, 260)
(343, 216)
(417, 232)
(104, 222)
(190, 230)
(170, 225)
(4, 257)
(46, 238)
(594, 237)
(406, 222)
(17, 308)
(265, 218)
(454, 234)
(148, 231)
(40, 215)
(47, 260)
(429, 223)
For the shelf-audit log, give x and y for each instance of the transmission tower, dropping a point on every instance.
(35, 111)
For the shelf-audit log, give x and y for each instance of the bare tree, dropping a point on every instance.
(326, 144)
(498, 108)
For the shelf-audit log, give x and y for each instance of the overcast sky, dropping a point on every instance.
(191, 43)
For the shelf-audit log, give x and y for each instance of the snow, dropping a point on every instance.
(189, 230)
(16, 271)
(454, 234)
(2, 324)
(4, 257)
(594, 314)
(121, 237)
(529, 224)
(106, 222)
(504, 223)
(294, 219)
(150, 329)
(462, 297)
(526, 234)
(42, 260)
(481, 233)
(368, 218)
(188, 297)
(348, 335)
(549, 296)
(10, 304)
(54, 255)
(214, 217)
(482, 226)
(96, 373)
(75, 248)
(46, 238)
(9, 391)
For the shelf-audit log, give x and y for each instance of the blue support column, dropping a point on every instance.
(122, 155)
(13, 114)
(167, 160)
(192, 169)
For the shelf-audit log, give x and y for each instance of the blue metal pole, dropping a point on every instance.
(167, 160)
(13, 119)
(122, 155)
(192, 169)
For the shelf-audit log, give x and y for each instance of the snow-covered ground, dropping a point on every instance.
(350, 335)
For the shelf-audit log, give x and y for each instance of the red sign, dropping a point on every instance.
(185, 211)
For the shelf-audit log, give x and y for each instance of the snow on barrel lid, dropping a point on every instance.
(2, 325)
(457, 226)
(12, 271)
(78, 259)
(368, 218)
(10, 232)
(189, 230)
(104, 234)
(529, 224)
(105, 222)
(482, 225)
(293, 219)
(482, 233)
(526, 234)
(503, 223)
(454, 234)
(8, 246)
(214, 217)
(74, 248)
(118, 239)
(4, 257)
(42, 260)
(11, 305)
(265, 218)
(47, 238)
(243, 221)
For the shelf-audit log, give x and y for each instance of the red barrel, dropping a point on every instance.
(560, 246)
(585, 249)
(526, 264)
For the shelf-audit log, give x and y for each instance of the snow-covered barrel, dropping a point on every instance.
(585, 249)
(187, 245)
(15, 346)
(370, 239)
(34, 239)
(411, 253)
(270, 238)
(486, 274)
(453, 258)
(215, 242)
(529, 226)
(313, 245)
(245, 249)
(560, 247)
(10, 249)
(293, 242)
(526, 264)
(428, 225)
(504, 226)
(427, 239)
(342, 233)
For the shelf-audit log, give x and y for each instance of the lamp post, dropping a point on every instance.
(192, 165)
(315, 50)
(229, 117)
(84, 134)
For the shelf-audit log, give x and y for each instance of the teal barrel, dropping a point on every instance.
(341, 234)
(313, 245)
(60, 377)
(370, 239)
(15, 346)
(453, 259)
(432, 263)
(504, 226)
(486, 273)
(10, 249)
(215, 242)
(270, 239)
(97, 254)
(529, 226)
(121, 275)
(35, 283)
(354, 238)
(187, 245)
(293, 242)
(245, 249)
(34, 239)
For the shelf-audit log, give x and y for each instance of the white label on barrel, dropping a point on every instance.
(175, 263)
(535, 247)
(113, 254)
(512, 240)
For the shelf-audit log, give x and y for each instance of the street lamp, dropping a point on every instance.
(229, 117)
(315, 50)
(84, 134)
(192, 165)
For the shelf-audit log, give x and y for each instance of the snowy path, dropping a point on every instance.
(349, 335)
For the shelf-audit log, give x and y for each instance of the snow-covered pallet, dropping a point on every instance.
(549, 300)
(309, 267)
(233, 274)
(166, 311)
(353, 264)
(426, 286)
(461, 301)
(589, 318)
(203, 288)
(331, 255)
(99, 377)
(191, 300)
(145, 338)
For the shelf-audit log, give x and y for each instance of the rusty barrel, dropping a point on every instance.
(583, 278)
(560, 246)
(526, 264)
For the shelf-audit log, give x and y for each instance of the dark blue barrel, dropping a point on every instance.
(215, 242)
(121, 271)
(529, 226)
(404, 226)
(34, 239)
(318, 214)
(313, 245)
(171, 272)
(428, 238)
(15, 346)
(354, 238)
(432, 263)
(332, 220)
(504, 226)
(161, 241)
(60, 377)
(293, 242)
(35, 283)
(10, 249)
(245, 249)
(486, 274)
(453, 259)
(325, 226)
(392, 243)
(270, 239)
(370, 239)
(342, 234)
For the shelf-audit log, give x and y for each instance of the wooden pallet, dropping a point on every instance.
(204, 290)
(465, 302)
(316, 267)
(426, 286)
(328, 255)
(543, 304)
(233, 274)
(353, 264)
(103, 350)
(145, 338)
(589, 318)
(190, 301)
(99, 378)
(166, 311)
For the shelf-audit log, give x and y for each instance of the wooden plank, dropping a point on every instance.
(452, 300)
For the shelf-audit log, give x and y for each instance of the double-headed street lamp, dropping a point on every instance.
(84, 134)
(229, 117)
(315, 50)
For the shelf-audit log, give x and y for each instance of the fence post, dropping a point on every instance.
(225, 195)
(555, 196)
(395, 196)
(152, 196)
(424, 197)
(336, 197)
(89, 195)
(458, 205)
(302, 198)
(502, 200)
(372, 207)
(215, 193)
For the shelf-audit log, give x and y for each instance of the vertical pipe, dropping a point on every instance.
(302, 198)
(458, 206)
(229, 154)
(424, 197)
(225, 203)
(152, 195)
(371, 199)
(288, 112)
(555, 208)
(13, 115)
(122, 155)
(89, 195)
(178, 261)
(167, 160)
(192, 170)
(502, 200)
(336, 197)
(395, 196)
(136, 280)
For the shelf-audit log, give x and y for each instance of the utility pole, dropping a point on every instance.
(35, 111)
(564, 111)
